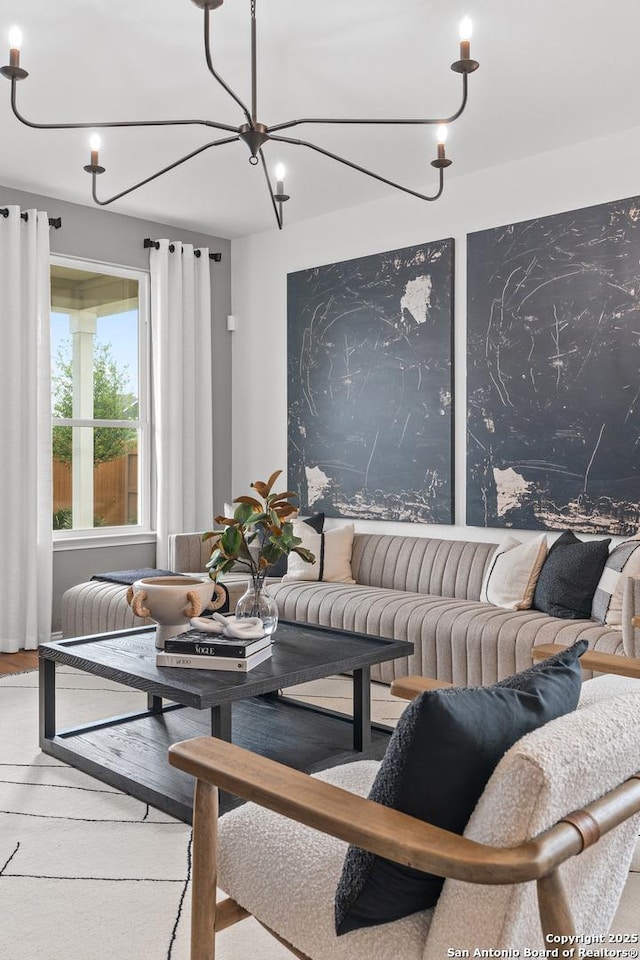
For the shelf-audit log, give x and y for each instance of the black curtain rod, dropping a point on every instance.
(197, 253)
(55, 222)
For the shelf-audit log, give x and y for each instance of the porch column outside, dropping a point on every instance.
(82, 326)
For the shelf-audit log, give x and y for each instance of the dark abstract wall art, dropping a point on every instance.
(370, 371)
(554, 372)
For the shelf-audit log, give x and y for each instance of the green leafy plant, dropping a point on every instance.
(63, 519)
(257, 534)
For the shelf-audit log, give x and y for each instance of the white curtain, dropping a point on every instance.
(182, 390)
(26, 558)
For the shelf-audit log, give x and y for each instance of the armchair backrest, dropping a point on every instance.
(558, 768)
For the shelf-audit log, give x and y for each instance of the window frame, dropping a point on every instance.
(142, 531)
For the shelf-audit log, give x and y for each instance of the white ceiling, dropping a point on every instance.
(553, 72)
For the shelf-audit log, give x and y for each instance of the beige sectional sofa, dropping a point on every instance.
(420, 589)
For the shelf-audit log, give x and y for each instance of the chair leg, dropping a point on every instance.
(553, 906)
(204, 871)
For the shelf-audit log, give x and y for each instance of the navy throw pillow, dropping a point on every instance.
(438, 761)
(569, 577)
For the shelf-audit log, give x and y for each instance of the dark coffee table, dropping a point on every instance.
(130, 751)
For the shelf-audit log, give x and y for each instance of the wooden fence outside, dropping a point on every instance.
(115, 490)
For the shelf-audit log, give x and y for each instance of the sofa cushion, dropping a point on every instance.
(332, 550)
(570, 575)
(463, 641)
(513, 571)
(438, 761)
(279, 568)
(622, 562)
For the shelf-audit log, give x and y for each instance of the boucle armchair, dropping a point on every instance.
(543, 859)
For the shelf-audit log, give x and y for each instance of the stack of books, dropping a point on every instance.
(201, 650)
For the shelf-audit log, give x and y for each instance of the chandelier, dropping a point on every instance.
(251, 132)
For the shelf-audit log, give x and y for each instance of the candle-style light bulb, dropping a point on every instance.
(15, 38)
(15, 42)
(280, 172)
(466, 29)
(94, 143)
(441, 134)
(93, 167)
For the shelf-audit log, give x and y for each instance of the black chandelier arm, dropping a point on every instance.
(111, 123)
(159, 173)
(278, 212)
(368, 173)
(417, 120)
(213, 71)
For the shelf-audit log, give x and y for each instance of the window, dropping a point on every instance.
(99, 354)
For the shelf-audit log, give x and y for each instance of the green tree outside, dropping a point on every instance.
(111, 401)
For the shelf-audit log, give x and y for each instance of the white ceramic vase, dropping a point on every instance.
(170, 601)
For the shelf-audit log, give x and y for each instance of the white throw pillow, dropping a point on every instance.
(332, 550)
(513, 571)
(623, 562)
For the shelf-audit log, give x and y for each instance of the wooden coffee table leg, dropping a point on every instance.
(362, 709)
(221, 722)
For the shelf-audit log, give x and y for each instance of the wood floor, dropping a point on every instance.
(17, 662)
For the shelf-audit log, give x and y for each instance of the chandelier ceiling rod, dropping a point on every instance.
(253, 133)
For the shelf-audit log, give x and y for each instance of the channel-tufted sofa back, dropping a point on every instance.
(444, 568)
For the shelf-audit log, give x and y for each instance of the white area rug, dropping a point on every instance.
(87, 872)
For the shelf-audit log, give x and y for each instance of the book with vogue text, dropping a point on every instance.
(207, 662)
(211, 645)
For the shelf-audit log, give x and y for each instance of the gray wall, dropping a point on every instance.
(96, 234)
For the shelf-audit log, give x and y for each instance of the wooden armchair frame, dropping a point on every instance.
(388, 833)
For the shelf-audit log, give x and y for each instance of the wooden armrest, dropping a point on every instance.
(594, 660)
(635, 621)
(410, 687)
(335, 811)
(382, 830)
